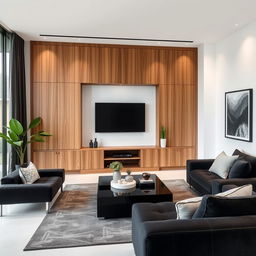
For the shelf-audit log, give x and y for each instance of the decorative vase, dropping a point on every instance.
(163, 143)
(129, 178)
(116, 175)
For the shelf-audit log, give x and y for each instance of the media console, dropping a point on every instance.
(137, 158)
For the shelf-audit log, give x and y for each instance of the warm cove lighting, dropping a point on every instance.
(248, 50)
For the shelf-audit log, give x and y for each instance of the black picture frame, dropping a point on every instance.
(238, 115)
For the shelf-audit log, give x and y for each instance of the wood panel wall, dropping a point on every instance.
(59, 69)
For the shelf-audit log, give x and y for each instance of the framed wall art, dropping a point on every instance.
(238, 115)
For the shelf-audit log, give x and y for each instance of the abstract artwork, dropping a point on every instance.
(238, 115)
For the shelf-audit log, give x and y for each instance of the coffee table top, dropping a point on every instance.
(158, 189)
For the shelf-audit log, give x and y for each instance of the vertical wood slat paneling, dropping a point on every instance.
(59, 106)
(45, 105)
(69, 116)
(182, 115)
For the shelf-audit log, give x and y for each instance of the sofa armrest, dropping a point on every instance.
(172, 235)
(25, 193)
(217, 185)
(199, 164)
(52, 172)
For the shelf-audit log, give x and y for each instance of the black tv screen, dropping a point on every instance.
(119, 117)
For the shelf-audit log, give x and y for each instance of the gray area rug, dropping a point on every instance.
(73, 222)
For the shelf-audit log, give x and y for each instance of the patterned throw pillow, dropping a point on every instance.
(186, 208)
(30, 174)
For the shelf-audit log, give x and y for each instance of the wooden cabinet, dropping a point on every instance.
(149, 158)
(176, 157)
(69, 116)
(182, 111)
(139, 66)
(59, 106)
(92, 159)
(45, 159)
(45, 104)
(68, 160)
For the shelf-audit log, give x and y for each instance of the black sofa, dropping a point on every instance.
(205, 182)
(13, 191)
(155, 232)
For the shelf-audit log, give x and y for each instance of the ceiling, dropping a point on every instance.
(203, 21)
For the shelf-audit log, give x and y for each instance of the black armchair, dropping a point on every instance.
(13, 191)
(156, 231)
(206, 182)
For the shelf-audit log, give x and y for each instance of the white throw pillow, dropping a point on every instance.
(186, 208)
(29, 175)
(222, 164)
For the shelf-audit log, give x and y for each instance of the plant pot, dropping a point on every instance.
(18, 166)
(163, 143)
(116, 175)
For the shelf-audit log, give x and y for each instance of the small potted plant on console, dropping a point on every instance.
(117, 167)
(163, 137)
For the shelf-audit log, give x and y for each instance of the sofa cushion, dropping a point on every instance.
(215, 206)
(204, 178)
(186, 208)
(153, 211)
(248, 158)
(29, 174)
(240, 169)
(222, 164)
(52, 183)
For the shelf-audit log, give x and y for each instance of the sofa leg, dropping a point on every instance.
(1, 210)
(48, 207)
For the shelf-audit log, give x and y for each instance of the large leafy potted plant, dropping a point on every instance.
(17, 136)
(116, 166)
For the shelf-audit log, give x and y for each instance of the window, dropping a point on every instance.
(4, 96)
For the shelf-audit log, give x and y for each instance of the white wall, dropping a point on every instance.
(235, 70)
(229, 65)
(109, 93)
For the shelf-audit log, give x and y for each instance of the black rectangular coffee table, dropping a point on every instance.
(115, 204)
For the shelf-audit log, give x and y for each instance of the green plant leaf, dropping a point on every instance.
(16, 126)
(2, 135)
(34, 123)
(13, 136)
(18, 143)
(42, 133)
(38, 138)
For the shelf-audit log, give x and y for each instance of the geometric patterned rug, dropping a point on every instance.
(72, 221)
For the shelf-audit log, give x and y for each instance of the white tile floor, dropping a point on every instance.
(20, 222)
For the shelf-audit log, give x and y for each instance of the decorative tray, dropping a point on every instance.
(123, 184)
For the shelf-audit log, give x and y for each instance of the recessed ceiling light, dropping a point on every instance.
(236, 25)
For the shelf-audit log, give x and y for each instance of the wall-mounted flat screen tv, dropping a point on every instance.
(119, 117)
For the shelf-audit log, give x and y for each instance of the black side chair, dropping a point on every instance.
(13, 191)
(206, 182)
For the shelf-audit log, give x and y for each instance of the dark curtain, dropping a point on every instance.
(18, 87)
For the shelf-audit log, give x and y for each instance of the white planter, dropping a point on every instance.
(163, 143)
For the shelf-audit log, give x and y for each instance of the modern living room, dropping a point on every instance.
(127, 127)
